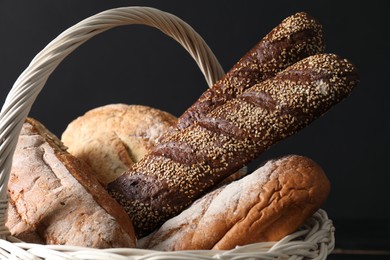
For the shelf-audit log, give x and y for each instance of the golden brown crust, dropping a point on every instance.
(55, 198)
(189, 162)
(112, 137)
(266, 205)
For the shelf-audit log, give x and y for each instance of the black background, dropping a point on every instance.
(140, 65)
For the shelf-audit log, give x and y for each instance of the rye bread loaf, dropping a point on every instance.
(54, 197)
(111, 138)
(265, 205)
(296, 37)
(187, 163)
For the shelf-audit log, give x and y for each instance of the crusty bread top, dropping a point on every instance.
(110, 138)
(48, 183)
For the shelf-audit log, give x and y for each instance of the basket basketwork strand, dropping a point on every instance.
(314, 240)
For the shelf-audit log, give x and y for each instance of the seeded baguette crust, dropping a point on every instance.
(54, 197)
(296, 37)
(191, 161)
(266, 205)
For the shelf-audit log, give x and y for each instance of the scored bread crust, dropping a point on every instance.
(111, 138)
(266, 205)
(55, 198)
(189, 162)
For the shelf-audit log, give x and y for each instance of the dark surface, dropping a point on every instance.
(362, 239)
(139, 65)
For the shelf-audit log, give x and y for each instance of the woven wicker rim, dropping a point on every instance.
(314, 240)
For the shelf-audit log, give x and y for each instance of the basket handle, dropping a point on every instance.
(27, 87)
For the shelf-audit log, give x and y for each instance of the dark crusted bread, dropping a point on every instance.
(191, 161)
(295, 38)
(266, 205)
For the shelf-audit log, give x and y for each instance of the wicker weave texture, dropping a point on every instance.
(314, 240)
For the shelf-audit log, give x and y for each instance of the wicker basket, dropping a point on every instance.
(314, 240)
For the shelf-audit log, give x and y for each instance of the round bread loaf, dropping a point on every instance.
(112, 137)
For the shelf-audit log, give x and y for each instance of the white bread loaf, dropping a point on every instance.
(110, 138)
(54, 197)
(266, 205)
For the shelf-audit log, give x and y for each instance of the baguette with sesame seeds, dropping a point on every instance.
(188, 163)
(296, 37)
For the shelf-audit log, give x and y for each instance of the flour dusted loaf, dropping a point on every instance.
(110, 138)
(187, 163)
(54, 197)
(265, 205)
